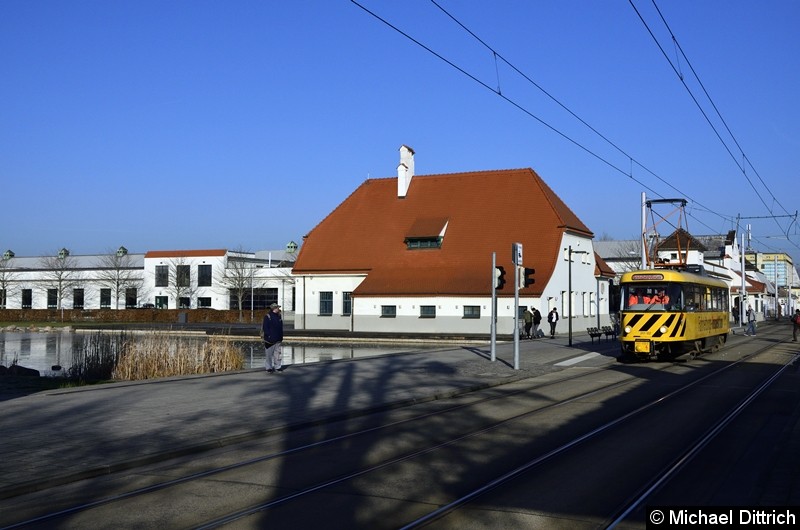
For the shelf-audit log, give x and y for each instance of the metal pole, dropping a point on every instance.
(569, 296)
(516, 317)
(644, 231)
(776, 287)
(742, 307)
(493, 325)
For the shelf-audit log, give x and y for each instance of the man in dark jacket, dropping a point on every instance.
(272, 333)
(552, 318)
(537, 319)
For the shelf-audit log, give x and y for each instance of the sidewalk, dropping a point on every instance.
(54, 437)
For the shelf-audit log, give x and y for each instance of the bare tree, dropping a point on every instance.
(8, 280)
(60, 272)
(180, 284)
(628, 255)
(119, 273)
(238, 278)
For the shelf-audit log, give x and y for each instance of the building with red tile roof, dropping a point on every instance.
(414, 253)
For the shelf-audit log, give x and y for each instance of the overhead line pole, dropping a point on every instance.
(493, 325)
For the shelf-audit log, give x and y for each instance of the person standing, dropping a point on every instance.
(751, 321)
(795, 324)
(552, 318)
(272, 334)
(537, 319)
(528, 318)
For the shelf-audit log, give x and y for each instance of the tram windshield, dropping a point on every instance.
(657, 296)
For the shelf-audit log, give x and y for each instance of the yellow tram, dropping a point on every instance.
(669, 312)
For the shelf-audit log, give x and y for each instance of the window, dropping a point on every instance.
(204, 275)
(183, 275)
(423, 242)
(203, 302)
(162, 302)
(472, 311)
(105, 298)
(162, 276)
(27, 298)
(388, 311)
(326, 303)
(52, 299)
(347, 303)
(131, 298)
(2, 298)
(77, 299)
(427, 311)
(184, 302)
(260, 298)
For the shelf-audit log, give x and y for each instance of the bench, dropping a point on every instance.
(594, 332)
(608, 331)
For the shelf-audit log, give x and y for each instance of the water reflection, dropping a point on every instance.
(44, 351)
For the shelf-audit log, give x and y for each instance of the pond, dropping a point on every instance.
(43, 350)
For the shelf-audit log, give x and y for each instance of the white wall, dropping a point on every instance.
(307, 303)
(589, 302)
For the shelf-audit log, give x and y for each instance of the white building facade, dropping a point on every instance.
(191, 279)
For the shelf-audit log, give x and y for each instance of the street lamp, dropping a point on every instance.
(569, 290)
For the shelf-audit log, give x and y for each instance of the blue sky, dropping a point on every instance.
(210, 124)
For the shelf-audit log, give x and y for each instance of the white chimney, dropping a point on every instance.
(405, 170)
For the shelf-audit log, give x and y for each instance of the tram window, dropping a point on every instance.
(651, 297)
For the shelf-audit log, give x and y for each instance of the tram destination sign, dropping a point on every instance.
(648, 277)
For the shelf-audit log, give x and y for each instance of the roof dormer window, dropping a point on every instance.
(435, 242)
(426, 233)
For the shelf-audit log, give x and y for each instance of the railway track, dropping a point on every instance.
(437, 464)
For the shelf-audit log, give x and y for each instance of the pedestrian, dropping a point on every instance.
(552, 318)
(736, 314)
(537, 319)
(272, 335)
(751, 321)
(660, 297)
(795, 324)
(528, 318)
(636, 297)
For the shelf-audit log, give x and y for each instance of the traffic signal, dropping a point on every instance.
(499, 277)
(526, 277)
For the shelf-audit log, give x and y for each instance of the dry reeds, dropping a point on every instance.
(152, 355)
(162, 355)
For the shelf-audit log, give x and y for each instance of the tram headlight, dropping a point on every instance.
(663, 329)
(628, 329)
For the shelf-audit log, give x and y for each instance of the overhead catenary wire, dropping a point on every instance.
(498, 56)
(520, 107)
(501, 95)
(679, 74)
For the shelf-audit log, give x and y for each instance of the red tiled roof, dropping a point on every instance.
(601, 268)
(485, 212)
(184, 253)
(753, 285)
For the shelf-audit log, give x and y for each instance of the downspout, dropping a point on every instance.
(304, 302)
(597, 299)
